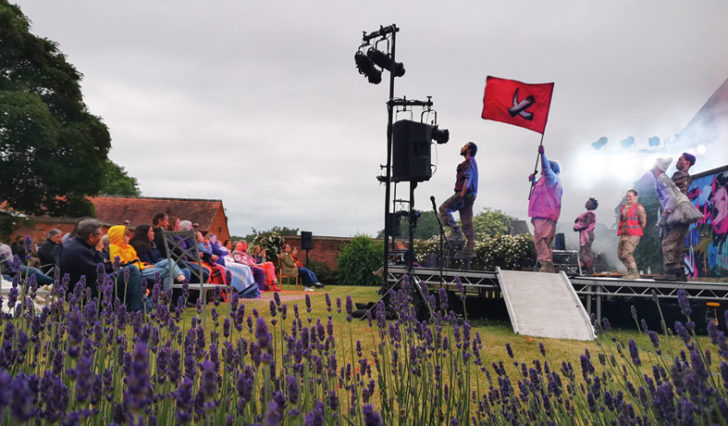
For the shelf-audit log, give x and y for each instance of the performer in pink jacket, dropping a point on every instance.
(544, 208)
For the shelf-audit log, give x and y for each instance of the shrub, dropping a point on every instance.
(322, 271)
(358, 259)
(513, 252)
(272, 242)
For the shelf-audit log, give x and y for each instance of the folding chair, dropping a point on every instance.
(178, 254)
(288, 278)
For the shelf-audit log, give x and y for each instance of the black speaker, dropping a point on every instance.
(306, 240)
(411, 151)
(560, 242)
(395, 225)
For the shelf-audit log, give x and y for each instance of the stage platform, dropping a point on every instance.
(593, 291)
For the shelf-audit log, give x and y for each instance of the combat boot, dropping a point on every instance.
(632, 274)
(670, 274)
(547, 267)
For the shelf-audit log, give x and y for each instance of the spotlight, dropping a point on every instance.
(385, 61)
(440, 135)
(627, 142)
(654, 141)
(367, 68)
(600, 143)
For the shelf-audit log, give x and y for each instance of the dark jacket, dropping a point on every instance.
(78, 258)
(47, 253)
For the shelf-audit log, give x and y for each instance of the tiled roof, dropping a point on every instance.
(139, 210)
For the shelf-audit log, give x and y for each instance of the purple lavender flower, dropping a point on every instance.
(208, 379)
(139, 389)
(605, 324)
(509, 350)
(184, 401)
(308, 304)
(21, 399)
(277, 299)
(683, 302)
(262, 334)
(682, 332)
(315, 417)
(542, 349)
(634, 353)
(272, 307)
(292, 389)
(29, 246)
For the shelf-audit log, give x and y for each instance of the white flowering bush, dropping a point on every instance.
(272, 242)
(514, 252)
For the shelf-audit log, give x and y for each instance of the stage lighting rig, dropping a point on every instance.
(654, 141)
(386, 62)
(600, 143)
(628, 142)
(366, 67)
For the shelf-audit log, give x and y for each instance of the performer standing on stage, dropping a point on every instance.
(632, 222)
(682, 180)
(682, 177)
(677, 215)
(466, 189)
(584, 225)
(544, 208)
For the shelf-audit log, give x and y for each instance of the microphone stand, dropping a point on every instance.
(442, 239)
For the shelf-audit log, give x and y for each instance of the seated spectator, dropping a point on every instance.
(119, 238)
(217, 248)
(143, 242)
(47, 251)
(240, 254)
(209, 260)
(11, 267)
(289, 266)
(80, 257)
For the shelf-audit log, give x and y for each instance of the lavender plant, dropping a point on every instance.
(87, 360)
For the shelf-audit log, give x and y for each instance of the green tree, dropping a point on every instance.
(427, 227)
(491, 223)
(117, 182)
(52, 150)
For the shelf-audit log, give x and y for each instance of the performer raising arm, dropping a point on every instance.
(466, 189)
(544, 208)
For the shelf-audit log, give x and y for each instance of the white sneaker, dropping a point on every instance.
(308, 289)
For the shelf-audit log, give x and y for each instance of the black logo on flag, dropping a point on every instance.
(520, 108)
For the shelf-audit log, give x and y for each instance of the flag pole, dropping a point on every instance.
(535, 166)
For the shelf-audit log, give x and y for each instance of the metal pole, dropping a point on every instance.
(388, 183)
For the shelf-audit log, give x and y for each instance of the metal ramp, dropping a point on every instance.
(544, 305)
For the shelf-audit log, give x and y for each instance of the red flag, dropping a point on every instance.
(520, 104)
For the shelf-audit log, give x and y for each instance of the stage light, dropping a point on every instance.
(627, 142)
(600, 143)
(654, 141)
(385, 61)
(700, 149)
(367, 68)
(440, 135)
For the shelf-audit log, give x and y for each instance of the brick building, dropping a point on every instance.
(116, 210)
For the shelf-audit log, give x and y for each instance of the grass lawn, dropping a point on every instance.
(494, 333)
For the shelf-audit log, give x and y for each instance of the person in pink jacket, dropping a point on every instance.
(544, 208)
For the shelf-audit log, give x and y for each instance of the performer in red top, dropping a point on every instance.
(632, 221)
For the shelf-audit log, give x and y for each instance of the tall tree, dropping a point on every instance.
(52, 150)
(117, 182)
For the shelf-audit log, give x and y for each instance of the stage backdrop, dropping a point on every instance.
(707, 254)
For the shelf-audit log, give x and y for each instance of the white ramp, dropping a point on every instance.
(544, 305)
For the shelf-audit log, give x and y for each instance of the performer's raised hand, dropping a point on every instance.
(531, 177)
(540, 149)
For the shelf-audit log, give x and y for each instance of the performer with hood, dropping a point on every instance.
(677, 215)
(544, 208)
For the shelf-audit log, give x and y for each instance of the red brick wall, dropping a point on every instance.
(40, 226)
(218, 225)
(325, 249)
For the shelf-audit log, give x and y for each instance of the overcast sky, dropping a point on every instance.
(258, 103)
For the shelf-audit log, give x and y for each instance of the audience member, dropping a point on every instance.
(80, 257)
(47, 251)
(290, 268)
